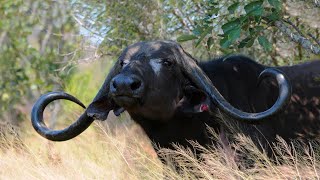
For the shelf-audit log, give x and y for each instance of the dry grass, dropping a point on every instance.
(127, 154)
(93, 155)
(292, 161)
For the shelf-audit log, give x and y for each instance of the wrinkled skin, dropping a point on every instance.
(159, 74)
(167, 101)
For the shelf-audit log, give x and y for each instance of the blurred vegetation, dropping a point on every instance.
(35, 39)
(70, 45)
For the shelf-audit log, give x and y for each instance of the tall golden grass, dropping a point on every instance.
(93, 155)
(126, 153)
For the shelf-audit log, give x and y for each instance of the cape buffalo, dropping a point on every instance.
(173, 97)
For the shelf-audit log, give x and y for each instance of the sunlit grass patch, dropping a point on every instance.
(126, 153)
(93, 155)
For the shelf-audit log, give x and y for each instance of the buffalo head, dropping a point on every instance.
(153, 80)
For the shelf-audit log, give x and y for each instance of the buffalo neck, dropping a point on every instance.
(180, 129)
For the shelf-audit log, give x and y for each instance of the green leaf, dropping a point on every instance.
(210, 42)
(233, 7)
(263, 41)
(254, 8)
(274, 16)
(247, 42)
(186, 37)
(276, 4)
(250, 42)
(214, 11)
(213, 3)
(243, 19)
(258, 19)
(251, 31)
(233, 35)
(197, 31)
(203, 35)
(225, 42)
(230, 26)
(226, 51)
(259, 28)
(244, 42)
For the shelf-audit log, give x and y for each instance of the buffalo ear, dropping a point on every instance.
(102, 103)
(193, 101)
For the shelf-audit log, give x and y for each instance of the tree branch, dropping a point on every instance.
(296, 37)
(294, 26)
(182, 21)
(46, 39)
(3, 37)
(314, 38)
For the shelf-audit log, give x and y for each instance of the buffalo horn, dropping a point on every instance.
(190, 67)
(98, 109)
(58, 135)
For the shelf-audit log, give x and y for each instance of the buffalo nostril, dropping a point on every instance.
(114, 84)
(126, 85)
(135, 85)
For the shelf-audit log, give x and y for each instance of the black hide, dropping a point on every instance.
(168, 110)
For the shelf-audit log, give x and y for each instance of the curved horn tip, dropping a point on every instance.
(57, 135)
(279, 76)
(55, 95)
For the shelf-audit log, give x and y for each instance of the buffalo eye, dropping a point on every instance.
(124, 63)
(167, 62)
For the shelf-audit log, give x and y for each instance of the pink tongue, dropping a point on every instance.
(204, 107)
